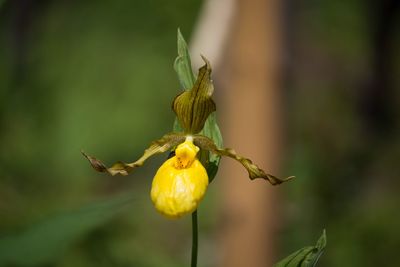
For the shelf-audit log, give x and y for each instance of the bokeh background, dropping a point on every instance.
(98, 76)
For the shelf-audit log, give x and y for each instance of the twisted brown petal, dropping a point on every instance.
(166, 143)
(254, 171)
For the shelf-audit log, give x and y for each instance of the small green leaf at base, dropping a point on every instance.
(305, 257)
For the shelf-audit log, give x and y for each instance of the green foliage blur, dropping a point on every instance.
(342, 90)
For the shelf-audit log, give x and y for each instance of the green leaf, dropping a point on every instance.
(166, 143)
(183, 65)
(42, 243)
(254, 171)
(305, 257)
(183, 68)
(177, 126)
(211, 130)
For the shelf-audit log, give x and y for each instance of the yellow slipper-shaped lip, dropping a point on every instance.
(180, 183)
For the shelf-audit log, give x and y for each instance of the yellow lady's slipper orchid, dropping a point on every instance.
(180, 183)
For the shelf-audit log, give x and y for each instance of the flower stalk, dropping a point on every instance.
(195, 241)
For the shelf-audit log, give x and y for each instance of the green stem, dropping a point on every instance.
(194, 239)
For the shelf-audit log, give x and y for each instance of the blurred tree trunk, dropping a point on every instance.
(251, 119)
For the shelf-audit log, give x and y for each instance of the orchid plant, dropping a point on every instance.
(195, 148)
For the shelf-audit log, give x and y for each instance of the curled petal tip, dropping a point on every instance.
(205, 60)
(95, 163)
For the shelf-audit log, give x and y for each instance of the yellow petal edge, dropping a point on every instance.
(180, 183)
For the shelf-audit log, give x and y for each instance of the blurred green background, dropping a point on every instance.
(343, 83)
(98, 75)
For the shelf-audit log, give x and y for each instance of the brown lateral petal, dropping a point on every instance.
(166, 143)
(254, 171)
